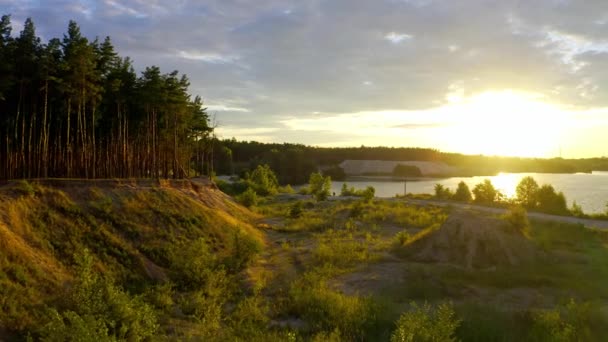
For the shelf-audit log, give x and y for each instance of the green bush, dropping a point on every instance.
(327, 310)
(442, 193)
(249, 198)
(570, 322)
(462, 194)
(402, 238)
(319, 186)
(368, 194)
(551, 202)
(296, 210)
(426, 323)
(517, 220)
(100, 311)
(485, 193)
(263, 180)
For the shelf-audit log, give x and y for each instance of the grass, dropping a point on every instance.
(216, 277)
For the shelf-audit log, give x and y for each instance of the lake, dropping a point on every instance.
(590, 191)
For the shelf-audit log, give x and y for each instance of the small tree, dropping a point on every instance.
(263, 180)
(551, 202)
(319, 186)
(442, 192)
(248, 198)
(527, 192)
(462, 194)
(485, 193)
(368, 194)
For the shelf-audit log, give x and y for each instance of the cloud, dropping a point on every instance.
(284, 59)
(212, 58)
(397, 38)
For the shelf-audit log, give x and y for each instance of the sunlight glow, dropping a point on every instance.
(506, 123)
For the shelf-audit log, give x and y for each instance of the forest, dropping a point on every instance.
(293, 163)
(73, 107)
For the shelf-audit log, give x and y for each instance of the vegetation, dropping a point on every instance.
(427, 324)
(462, 194)
(117, 263)
(406, 171)
(293, 163)
(442, 193)
(319, 186)
(73, 107)
(485, 193)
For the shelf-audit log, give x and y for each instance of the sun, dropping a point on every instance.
(506, 123)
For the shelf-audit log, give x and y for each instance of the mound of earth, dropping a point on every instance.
(473, 241)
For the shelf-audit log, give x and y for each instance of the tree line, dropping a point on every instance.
(73, 107)
(293, 163)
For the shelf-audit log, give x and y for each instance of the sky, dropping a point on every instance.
(504, 77)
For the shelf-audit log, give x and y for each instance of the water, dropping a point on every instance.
(590, 191)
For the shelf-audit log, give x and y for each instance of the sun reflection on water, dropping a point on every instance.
(506, 183)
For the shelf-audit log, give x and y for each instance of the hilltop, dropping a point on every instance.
(137, 235)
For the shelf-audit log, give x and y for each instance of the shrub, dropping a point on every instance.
(368, 194)
(441, 192)
(462, 194)
(485, 193)
(426, 323)
(402, 237)
(296, 210)
(249, 198)
(570, 322)
(577, 210)
(319, 186)
(517, 220)
(551, 202)
(100, 311)
(263, 180)
(326, 309)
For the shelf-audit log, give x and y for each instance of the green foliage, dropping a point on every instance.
(100, 310)
(570, 322)
(192, 264)
(368, 194)
(319, 186)
(296, 210)
(517, 220)
(401, 170)
(263, 180)
(249, 198)
(527, 192)
(485, 193)
(462, 194)
(577, 210)
(427, 323)
(551, 202)
(326, 309)
(402, 238)
(442, 193)
(287, 189)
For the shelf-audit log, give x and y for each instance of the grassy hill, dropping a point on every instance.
(137, 238)
(179, 260)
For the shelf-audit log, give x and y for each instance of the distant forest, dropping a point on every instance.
(293, 163)
(72, 107)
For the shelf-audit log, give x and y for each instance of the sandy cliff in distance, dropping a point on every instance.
(362, 167)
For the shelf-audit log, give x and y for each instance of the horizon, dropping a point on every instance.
(499, 78)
